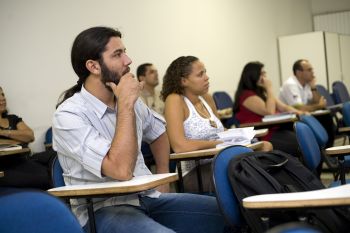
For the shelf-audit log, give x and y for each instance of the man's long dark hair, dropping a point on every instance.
(88, 45)
(249, 81)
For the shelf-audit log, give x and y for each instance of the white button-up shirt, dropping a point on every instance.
(83, 129)
(293, 93)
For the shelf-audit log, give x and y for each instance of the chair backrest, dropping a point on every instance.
(293, 227)
(57, 173)
(324, 92)
(340, 92)
(32, 211)
(222, 100)
(308, 145)
(225, 197)
(346, 114)
(48, 136)
(318, 130)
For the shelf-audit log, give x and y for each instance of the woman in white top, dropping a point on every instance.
(190, 112)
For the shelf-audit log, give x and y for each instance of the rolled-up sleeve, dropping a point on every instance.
(153, 124)
(76, 138)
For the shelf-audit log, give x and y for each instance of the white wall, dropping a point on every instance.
(345, 58)
(329, 6)
(36, 37)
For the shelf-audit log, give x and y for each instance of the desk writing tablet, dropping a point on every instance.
(344, 129)
(137, 184)
(320, 112)
(337, 196)
(338, 150)
(207, 152)
(261, 132)
(14, 152)
(270, 123)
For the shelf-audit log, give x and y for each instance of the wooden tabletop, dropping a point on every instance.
(337, 196)
(277, 122)
(14, 152)
(207, 152)
(8, 142)
(320, 112)
(335, 106)
(338, 150)
(261, 132)
(344, 129)
(270, 123)
(137, 184)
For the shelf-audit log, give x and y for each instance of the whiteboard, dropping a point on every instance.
(333, 58)
(344, 42)
(310, 46)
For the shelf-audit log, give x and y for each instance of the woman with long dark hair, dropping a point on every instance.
(254, 99)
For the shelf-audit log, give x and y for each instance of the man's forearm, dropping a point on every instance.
(160, 149)
(308, 107)
(120, 160)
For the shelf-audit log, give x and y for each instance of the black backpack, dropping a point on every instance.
(277, 172)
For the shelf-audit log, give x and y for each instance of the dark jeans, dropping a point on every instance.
(171, 212)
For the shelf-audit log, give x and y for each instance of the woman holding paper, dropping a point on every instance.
(18, 170)
(254, 99)
(190, 112)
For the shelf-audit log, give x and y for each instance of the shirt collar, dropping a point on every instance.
(96, 105)
(297, 82)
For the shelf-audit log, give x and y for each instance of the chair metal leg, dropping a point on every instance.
(199, 176)
(180, 182)
(342, 169)
(91, 214)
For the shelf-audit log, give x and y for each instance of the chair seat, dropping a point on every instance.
(32, 211)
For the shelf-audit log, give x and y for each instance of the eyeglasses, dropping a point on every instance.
(309, 70)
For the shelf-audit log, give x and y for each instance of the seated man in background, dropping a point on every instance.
(98, 128)
(300, 92)
(148, 73)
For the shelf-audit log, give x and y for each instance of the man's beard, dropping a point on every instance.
(109, 76)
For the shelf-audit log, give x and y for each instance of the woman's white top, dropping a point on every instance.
(200, 128)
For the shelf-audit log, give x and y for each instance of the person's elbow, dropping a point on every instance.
(179, 147)
(121, 174)
(125, 176)
(31, 138)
